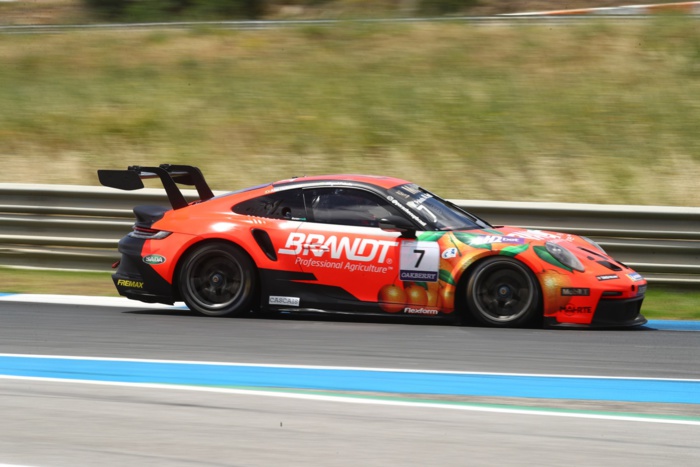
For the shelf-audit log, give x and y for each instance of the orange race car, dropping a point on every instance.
(363, 245)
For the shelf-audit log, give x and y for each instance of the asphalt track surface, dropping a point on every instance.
(58, 423)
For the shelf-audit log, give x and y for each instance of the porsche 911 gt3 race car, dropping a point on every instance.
(364, 245)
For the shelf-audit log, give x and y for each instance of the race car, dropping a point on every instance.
(365, 245)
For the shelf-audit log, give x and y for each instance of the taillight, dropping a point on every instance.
(150, 234)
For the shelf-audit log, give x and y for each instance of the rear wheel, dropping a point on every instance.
(217, 279)
(503, 292)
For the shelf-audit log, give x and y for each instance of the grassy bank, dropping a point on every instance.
(596, 113)
(660, 303)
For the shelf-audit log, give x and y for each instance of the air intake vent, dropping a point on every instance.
(592, 252)
(263, 240)
(611, 266)
(612, 294)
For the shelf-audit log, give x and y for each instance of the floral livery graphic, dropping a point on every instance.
(458, 250)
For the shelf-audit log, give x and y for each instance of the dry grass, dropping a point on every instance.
(25, 12)
(592, 113)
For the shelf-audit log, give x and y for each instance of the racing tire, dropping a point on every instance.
(217, 279)
(503, 292)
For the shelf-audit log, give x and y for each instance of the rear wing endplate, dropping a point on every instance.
(170, 176)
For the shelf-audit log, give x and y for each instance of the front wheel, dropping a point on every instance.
(503, 292)
(217, 279)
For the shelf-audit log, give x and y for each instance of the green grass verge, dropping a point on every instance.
(660, 302)
(671, 303)
(56, 282)
(598, 112)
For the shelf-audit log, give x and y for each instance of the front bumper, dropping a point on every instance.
(619, 313)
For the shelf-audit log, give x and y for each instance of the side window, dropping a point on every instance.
(347, 206)
(281, 205)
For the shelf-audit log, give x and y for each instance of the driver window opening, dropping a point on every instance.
(287, 205)
(347, 206)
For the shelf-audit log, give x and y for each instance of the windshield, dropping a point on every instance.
(432, 212)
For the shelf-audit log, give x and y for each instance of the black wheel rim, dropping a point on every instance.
(503, 293)
(216, 281)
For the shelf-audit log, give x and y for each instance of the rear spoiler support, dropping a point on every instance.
(170, 176)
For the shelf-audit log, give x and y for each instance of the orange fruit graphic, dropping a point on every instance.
(446, 297)
(432, 293)
(392, 299)
(449, 244)
(450, 240)
(416, 295)
(465, 262)
(552, 283)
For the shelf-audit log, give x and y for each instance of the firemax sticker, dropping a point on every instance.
(128, 283)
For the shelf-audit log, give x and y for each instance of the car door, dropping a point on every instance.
(354, 262)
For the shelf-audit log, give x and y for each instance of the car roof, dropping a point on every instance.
(353, 179)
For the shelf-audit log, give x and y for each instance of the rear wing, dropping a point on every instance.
(170, 176)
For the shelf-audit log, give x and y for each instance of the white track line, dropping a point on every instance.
(119, 302)
(370, 401)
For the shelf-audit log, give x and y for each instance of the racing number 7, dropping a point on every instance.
(420, 253)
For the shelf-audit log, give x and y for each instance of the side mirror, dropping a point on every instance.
(398, 224)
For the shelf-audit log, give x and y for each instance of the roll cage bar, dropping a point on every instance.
(170, 175)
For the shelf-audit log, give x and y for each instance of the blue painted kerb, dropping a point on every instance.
(384, 381)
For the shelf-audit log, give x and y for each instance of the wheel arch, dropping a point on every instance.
(462, 312)
(207, 241)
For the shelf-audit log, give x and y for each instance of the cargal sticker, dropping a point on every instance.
(284, 301)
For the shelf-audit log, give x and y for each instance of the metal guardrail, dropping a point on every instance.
(539, 18)
(77, 228)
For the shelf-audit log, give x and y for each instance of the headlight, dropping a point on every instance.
(594, 244)
(564, 256)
